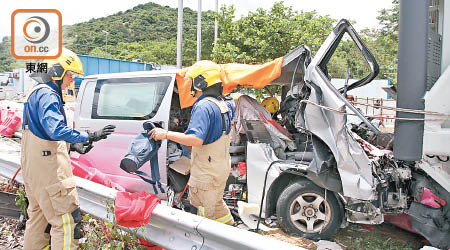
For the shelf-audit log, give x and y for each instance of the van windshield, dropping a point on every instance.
(129, 98)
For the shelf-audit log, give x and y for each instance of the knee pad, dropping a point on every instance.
(193, 210)
(77, 232)
(47, 231)
(48, 228)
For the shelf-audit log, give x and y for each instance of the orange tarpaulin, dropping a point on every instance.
(233, 74)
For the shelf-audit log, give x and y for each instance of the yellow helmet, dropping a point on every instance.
(271, 104)
(204, 74)
(67, 61)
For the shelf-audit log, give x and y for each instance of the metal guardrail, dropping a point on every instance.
(8, 206)
(168, 227)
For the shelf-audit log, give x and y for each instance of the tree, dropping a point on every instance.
(388, 20)
(384, 42)
(7, 62)
(265, 35)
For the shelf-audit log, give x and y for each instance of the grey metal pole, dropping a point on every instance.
(199, 30)
(412, 73)
(216, 24)
(180, 34)
(107, 44)
(106, 48)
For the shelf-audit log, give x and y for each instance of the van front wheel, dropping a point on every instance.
(304, 210)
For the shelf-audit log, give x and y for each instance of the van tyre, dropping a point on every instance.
(303, 211)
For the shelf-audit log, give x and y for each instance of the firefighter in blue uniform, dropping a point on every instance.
(209, 135)
(53, 208)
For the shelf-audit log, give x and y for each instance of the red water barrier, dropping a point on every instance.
(149, 245)
(134, 209)
(8, 127)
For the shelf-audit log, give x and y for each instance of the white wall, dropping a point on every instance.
(24, 82)
(445, 36)
(3, 78)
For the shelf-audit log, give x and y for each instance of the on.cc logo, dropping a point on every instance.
(36, 34)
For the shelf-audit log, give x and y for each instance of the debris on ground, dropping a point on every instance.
(10, 146)
(248, 213)
(429, 248)
(11, 230)
(327, 245)
(100, 234)
(10, 236)
(7, 186)
(278, 234)
(357, 236)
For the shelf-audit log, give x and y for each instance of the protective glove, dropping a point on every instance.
(101, 134)
(81, 148)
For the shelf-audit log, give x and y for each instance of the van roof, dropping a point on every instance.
(133, 74)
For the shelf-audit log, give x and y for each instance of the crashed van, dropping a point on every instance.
(308, 169)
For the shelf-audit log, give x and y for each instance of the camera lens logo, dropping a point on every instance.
(36, 29)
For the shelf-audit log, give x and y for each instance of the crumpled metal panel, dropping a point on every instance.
(424, 220)
(352, 163)
(248, 109)
(259, 158)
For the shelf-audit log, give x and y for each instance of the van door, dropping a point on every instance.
(352, 163)
(126, 102)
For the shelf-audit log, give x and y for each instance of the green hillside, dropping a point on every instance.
(147, 29)
(144, 22)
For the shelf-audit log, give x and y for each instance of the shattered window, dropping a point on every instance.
(347, 60)
(129, 98)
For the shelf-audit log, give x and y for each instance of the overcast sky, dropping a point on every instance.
(364, 12)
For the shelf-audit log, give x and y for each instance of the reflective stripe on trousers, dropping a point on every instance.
(67, 231)
(51, 191)
(224, 219)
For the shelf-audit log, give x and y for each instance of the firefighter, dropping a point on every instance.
(209, 135)
(271, 104)
(53, 208)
